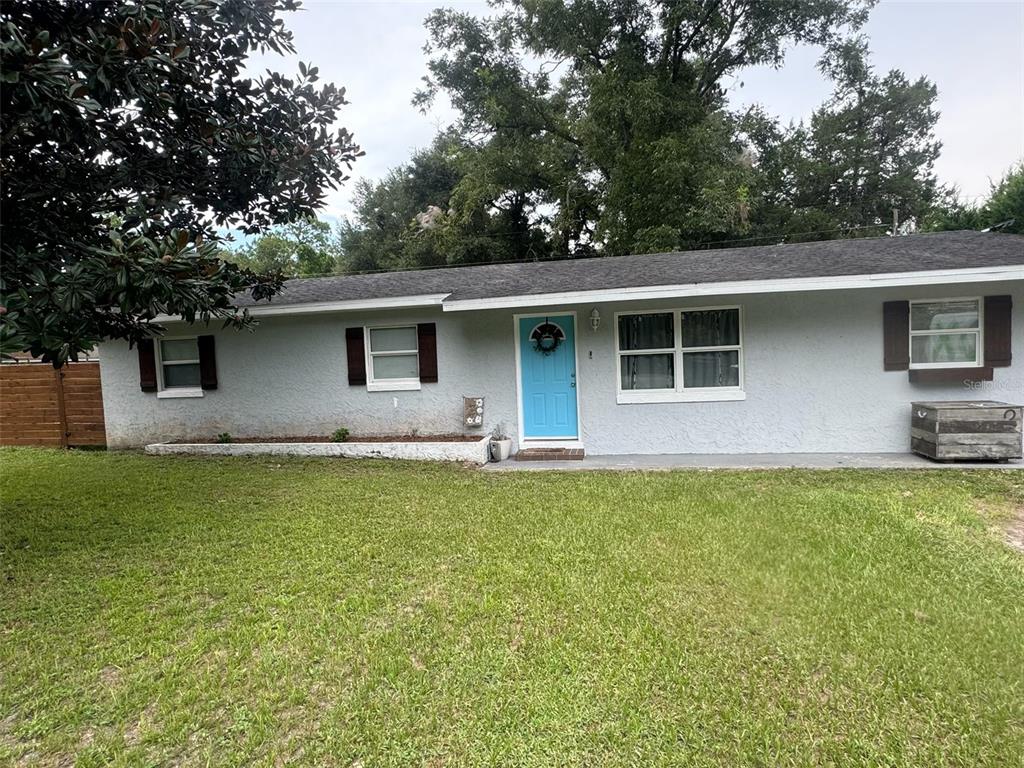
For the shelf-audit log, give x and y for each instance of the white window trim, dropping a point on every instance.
(680, 393)
(979, 349)
(390, 385)
(163, 391)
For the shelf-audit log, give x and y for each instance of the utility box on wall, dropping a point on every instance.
(473, 412)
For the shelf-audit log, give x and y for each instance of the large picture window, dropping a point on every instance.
(692, 354)
(945, 333)
(392, 357)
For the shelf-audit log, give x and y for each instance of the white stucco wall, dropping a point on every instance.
(813, 378)
(813, 374)
(289, 377)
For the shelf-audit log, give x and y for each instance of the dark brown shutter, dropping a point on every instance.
(997, 330)
(207, 363)
(896, 324)
(147, 366)
(427, 333)
(356, 352)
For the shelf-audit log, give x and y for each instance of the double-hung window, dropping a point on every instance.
(945, 333)
(691, 354)
(392, 358)
(178, 367)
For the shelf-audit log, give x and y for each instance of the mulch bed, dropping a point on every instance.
(351, 439)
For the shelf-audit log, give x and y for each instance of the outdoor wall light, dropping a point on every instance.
(595, 319)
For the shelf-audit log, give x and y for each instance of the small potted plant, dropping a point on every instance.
(501, 444)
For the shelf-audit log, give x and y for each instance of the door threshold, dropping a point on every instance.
(540, 442)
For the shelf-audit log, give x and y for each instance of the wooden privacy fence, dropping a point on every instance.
(40, 405)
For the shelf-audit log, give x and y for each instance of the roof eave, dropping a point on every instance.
(784, 285)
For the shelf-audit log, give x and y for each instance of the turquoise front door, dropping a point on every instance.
(548, 383)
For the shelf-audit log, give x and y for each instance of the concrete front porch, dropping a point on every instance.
(663, 462)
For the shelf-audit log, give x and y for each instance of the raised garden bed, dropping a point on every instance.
(462, 448)
(351, 439)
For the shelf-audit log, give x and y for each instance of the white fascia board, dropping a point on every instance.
(353, 305)
(787, 285)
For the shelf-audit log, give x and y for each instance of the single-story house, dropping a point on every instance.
(810, 347)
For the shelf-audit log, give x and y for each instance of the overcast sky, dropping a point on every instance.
(973, 52)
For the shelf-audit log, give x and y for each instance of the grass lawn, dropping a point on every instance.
(331, 612)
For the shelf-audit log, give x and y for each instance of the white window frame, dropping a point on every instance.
(680, 393)
(979, 349)
(390, 385)
(162, 390)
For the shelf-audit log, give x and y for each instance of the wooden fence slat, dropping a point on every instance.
(58, 382)
(54, 442)
(26, 373)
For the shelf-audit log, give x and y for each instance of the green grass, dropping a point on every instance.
(231, 611)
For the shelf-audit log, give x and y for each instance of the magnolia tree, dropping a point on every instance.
(131, 135)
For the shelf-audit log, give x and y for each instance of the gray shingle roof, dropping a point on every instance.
(831, 258)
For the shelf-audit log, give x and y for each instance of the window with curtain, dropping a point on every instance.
(393, 353)
(945, 333)
(711, 348)
(679, 352)
(647, 351)
(179, 364)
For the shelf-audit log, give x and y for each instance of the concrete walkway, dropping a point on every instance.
(747, 461)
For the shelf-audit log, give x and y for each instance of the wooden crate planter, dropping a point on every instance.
(966, 429)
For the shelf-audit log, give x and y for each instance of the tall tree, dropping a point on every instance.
(618, 139)
(868, 150)
(872, 146)
(440, 208)
(303, 248)
(1004, 207)
(130, 135)
(384, 232)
